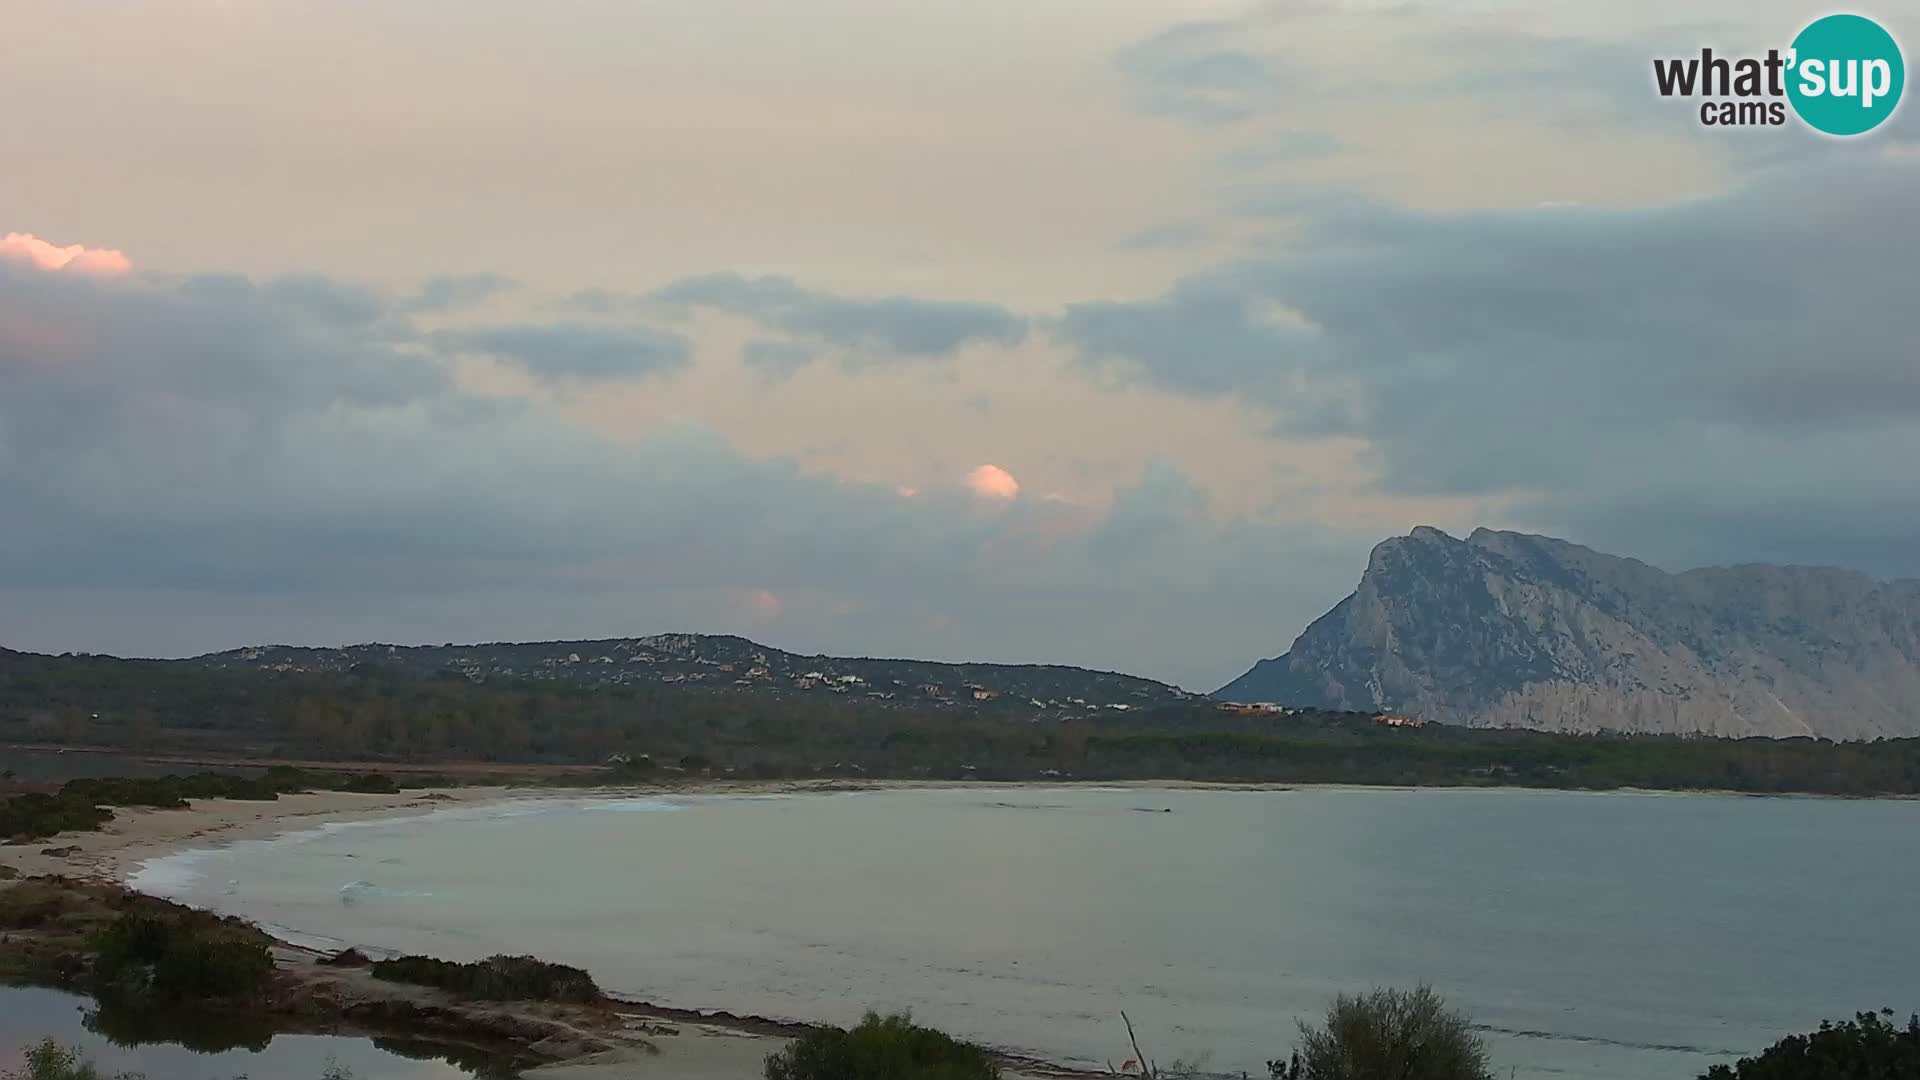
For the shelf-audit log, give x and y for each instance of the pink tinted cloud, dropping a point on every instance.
(992, 482)
(764, 606)
(75, 257)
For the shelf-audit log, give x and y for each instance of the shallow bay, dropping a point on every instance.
(1593, 935)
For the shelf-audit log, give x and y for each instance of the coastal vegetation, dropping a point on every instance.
(497, 978)
(880, 1048)
(1868, 1047)
(368, 714)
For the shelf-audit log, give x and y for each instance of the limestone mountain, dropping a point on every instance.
(1507, 629)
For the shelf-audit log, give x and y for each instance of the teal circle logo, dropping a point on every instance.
(1845, 74)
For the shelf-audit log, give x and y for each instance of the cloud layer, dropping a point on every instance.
(866, 330)
(572, 350)
(202, 456)
(1687, 381)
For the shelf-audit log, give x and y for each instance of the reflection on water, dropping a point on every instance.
(196, 1046)
(125, 1025)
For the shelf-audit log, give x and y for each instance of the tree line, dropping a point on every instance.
(373, 715)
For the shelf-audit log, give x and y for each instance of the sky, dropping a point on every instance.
(1103, 332)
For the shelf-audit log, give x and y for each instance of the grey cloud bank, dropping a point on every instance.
(1721, 380)
(573, 350)
(192, 464)
(1193, 73)
(1688, 382)
(776, 360)
(447, 291)
(875, 329)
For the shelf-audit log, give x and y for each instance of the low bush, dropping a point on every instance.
(1388, 1033)
(881, 1048)
(497, 978)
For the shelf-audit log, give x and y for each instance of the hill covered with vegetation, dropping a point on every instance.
(373, 713)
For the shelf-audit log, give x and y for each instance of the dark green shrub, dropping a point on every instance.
(126, 791)
(195, 968)
(174, 960)
(1867, 1047)
(1385, 1034)
(497, 978)
(36, 816)
(132, 939)
(889, 1048)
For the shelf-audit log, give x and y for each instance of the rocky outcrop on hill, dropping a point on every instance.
(1512, 630)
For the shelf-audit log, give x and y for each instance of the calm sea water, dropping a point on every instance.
(1592, 935)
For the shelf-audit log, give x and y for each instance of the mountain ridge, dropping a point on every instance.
(716, 660)
(1512, 629)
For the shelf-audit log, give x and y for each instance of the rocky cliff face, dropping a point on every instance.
(1510, 630)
